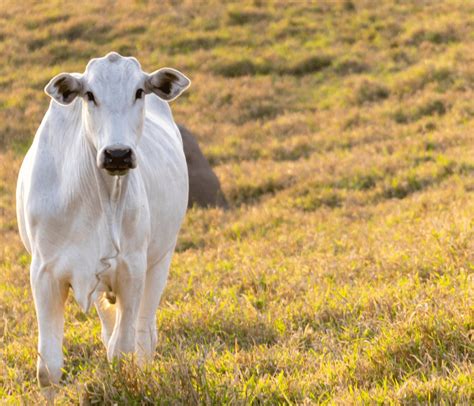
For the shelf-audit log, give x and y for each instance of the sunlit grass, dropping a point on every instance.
(342, 135)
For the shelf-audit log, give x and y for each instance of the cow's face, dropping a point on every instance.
(113, 91)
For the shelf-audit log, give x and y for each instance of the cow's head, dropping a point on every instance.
(113, 91)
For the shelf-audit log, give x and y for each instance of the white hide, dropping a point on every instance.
(94, 232)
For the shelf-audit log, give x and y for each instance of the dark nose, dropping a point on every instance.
(118, 159)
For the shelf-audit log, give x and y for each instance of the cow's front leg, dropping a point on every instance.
(49, 295)
(129, 290)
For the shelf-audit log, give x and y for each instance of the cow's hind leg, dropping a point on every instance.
(106, 312)
(129, 290)
(155, 283)
(49, 296)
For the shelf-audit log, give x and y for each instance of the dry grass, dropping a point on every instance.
(342, 133)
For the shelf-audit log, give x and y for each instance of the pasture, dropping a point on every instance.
(343, 136)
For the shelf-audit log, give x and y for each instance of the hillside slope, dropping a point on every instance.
(342, 133)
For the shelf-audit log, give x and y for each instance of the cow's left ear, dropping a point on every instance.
(167, 83)
(64, 88)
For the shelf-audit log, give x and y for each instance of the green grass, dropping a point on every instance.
(343, 137)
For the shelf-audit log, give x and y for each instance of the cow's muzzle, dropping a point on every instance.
(118, 159)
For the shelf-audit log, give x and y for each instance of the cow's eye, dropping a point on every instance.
(90, 96)
(139, 94)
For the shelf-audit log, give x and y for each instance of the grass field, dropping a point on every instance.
(343, 135)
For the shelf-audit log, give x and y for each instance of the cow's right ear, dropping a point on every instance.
(64, 88)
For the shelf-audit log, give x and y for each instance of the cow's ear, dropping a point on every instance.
(64, 88)
(167, 83)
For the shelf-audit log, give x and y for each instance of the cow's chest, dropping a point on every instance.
(89, 248)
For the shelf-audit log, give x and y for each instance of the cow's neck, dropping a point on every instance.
(111, 191)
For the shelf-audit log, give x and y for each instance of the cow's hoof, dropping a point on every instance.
(48, 394)
(48, 374)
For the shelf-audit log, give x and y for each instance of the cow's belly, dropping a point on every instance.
(165, 221)
(165, 177)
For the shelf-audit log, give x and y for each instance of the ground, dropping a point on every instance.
(342, 132)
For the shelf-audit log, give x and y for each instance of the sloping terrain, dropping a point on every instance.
(343, 135)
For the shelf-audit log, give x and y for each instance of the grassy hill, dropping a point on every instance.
(342, 133)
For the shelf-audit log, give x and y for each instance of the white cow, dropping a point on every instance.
(101, 196)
